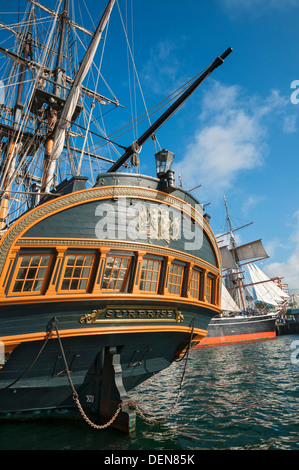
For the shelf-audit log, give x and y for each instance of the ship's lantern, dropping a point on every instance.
(164, 160)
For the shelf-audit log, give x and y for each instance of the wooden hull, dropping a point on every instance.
(124, 308)
(144, 348)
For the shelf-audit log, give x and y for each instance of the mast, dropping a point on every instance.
(53, 113)
(149, 132)
(69, 107)
(235, 256)
(17, 115)
(232, 238)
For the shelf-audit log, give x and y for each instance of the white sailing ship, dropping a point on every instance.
(250, 300)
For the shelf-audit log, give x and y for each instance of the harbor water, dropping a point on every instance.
(234, 397)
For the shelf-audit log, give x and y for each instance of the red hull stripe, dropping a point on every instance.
(219, 340)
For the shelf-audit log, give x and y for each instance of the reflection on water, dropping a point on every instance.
(242, 396)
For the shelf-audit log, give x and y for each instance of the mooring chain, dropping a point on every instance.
(130, 402)
(162, 420)
(93, 425)
(53, 326)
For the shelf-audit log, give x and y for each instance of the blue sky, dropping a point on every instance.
(238, 134)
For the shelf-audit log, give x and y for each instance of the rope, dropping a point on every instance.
(35, 359)
(179, 391)
(127, 403)
(122, 404)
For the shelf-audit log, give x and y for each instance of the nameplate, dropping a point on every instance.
(132, 314)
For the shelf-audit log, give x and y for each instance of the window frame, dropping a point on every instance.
(154, 259)
(64, 266)
(195, 269)
(170, 275)
(210, 298)
(17, 266)
(127, 278)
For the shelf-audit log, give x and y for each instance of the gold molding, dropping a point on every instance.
(134, 313)
(101, 330)
(111, 244)
(40, 212)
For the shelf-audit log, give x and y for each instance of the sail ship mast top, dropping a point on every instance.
(45, 113)
(237, 278)
(11, 146)
(73, 96)
(137, 288)
(44, 107)
(234, 257)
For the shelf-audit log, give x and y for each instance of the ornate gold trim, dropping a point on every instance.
(101, 330)
(89, 195)
(114, 245)
(129, 314)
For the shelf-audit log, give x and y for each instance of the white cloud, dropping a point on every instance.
(258, 5)
(252, 201)
(228, 141)
(273, 245)
(290, 124)
(288, 269)
(231, 137)
(163, 67)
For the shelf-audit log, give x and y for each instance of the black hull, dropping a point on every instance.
(229, 330)
(46, 386)
(130, 355)
(126, 302)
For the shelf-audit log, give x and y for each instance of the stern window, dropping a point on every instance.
(195, 284)
(31, 273)
(149, 280)
(210, 289)
(116, 273)
(175, 282)
(77, 272)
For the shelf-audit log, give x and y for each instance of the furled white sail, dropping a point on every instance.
(72, 99)
(235, 260)
(273, 287)
(227, 302)
(264, 289)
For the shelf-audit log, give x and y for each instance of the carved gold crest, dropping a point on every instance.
(158, 224)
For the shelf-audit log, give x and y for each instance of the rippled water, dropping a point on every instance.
(243, 396)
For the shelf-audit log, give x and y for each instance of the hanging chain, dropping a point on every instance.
(53, 326)
(127, 403)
